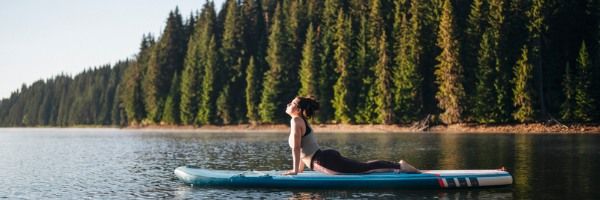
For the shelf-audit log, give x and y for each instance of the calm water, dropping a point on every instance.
(126, 164)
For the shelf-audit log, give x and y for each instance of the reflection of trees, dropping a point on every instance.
(348, 144)
(450, 148)
(385, 144)
(343, 143)
(381, 146)
(359, 146)
(489, 151)
(500, 193)
(578, 167)
(305, 195)
(428, 152)
(523, 165)
(503, 152)
(585, 169)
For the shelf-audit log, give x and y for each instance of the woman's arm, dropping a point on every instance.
(295, 144)
(300, 167)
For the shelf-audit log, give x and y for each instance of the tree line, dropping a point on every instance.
(375, 62)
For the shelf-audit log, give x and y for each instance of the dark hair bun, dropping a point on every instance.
(308, 105)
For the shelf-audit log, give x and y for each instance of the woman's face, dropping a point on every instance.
(292, 107)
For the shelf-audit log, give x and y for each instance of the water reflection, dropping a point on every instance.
(186, 192)
(523, 164)
(450, 153)
(305, 195)
(59, 164)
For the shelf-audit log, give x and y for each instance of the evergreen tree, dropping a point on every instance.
(112, 93)
(64, 102)
(44, 107)
(383, 96)
(513, 38)
(35, 93)
(491, 102)
(193, 72)
(269, 10)
(254, 31)
(376, 25)
(255, 37)
(294, 16)
(567, 112)
(430, 25)
(190, 82)
(16, 114)
(296, 27)
(43, 113)
(150, 90)
(224, 110)
(536, 28)
(274, 93)
(595, 71)
(208, 59)
(190, 26)
(326, 78)
(375, 29)
(112, 79)
(118, 116)
(232, 71)
(131, 87)
(374, 52)
(449, 71)
(342, 94)
(308, 65)
(252, 94)
(206, 114)
(484, 96)
(171, 112)
(408, 100)
(63, 82)
(166, 59)
(523, 91)
(313, 12)
(476, 25)
(191, 78)
(501, 73)
(365, 112)
(585, 104)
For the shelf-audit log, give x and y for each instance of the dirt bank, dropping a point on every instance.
(456, 128)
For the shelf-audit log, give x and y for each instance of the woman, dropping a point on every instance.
(306, 151)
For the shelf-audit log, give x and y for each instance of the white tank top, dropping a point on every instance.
(308, 148)
(308, 145)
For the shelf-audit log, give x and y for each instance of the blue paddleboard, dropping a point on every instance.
(428, 179)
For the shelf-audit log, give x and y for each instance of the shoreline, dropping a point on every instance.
(531, 128)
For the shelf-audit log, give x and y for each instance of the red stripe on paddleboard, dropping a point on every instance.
(440, 181)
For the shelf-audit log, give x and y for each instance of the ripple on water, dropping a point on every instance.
(124, 164)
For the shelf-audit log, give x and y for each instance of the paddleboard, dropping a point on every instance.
(428, 179)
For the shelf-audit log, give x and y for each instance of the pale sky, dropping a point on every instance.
(43, 38)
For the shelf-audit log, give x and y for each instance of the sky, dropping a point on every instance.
(41, 39)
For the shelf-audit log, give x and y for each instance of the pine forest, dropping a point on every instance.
(366, 62)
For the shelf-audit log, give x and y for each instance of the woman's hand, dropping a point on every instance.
(291, 172)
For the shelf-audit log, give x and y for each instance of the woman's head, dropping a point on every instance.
(302, 106)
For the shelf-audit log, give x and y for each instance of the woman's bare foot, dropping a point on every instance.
(407, 168)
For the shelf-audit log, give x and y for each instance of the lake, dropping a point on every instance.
(139, 164)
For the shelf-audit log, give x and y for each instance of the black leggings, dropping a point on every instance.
(332, 162)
